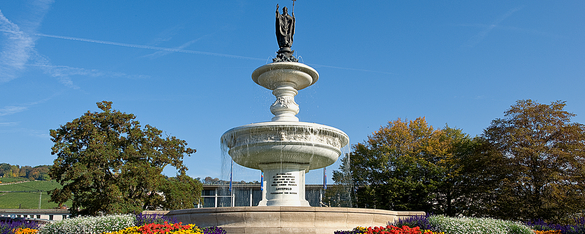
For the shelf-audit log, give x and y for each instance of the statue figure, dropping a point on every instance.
(285, 29)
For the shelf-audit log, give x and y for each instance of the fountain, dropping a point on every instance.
(284, 149)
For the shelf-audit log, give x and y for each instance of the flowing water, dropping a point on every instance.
(336, 193)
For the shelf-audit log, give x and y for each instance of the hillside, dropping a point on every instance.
(25, 195)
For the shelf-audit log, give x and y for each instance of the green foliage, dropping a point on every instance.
(540, 159)
(529, 165)
(39, 173)
(5, 170)
(15, 171)
(107, 163)
(181, 192)
(409, 166)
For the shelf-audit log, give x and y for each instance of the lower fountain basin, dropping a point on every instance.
(286, 219)
(312, 144)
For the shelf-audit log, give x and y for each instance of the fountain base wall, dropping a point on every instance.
(288, 219)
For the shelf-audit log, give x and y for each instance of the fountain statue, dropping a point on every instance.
(285, 149)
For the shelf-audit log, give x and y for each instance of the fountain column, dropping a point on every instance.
(284, 184)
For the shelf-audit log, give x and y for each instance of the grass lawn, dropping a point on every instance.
(26, 195)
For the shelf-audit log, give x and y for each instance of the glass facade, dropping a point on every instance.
(248, 195)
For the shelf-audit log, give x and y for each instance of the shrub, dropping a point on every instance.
(89, 225)
(477, 226)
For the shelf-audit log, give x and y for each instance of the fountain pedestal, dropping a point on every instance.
(285, 185)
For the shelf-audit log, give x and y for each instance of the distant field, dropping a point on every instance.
(12, 179)
(26, 195)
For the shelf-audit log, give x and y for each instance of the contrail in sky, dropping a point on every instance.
(182, 50)
(146, 47)
(481, 35)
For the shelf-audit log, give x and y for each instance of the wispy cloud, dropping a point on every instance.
(164, 52)
(181, 47)
(64, 73)
(9, 110)
(515, 29)
(147, 47)
(16, 41)
(488, 28)
(17, 52)
(6, 124)
(13, 109)
(15, 49)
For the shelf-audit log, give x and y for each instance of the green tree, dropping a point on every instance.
(5, 170)
(15, 170)
(107, 163)
(452, 196)
(39, 173)
(24, 171)
(406, 166)
(542, 158)
(181, 192)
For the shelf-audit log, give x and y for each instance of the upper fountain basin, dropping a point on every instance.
(311, 144)
(274, 75)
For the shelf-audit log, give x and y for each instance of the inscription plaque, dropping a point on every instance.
(284, 183)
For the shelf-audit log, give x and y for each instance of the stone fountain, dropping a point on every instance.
(285, 149)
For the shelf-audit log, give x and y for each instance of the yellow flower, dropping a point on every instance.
(25, 231)
(128, 230)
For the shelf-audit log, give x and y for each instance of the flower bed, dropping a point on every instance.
(542, 227)
(152, 228)
(90, 225)
(21, 226)
(153, 224)
(25, 231)
(110, 224)
(477, 225)
(438, 224)
(389, 229)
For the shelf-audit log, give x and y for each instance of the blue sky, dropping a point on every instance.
(185, 66)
